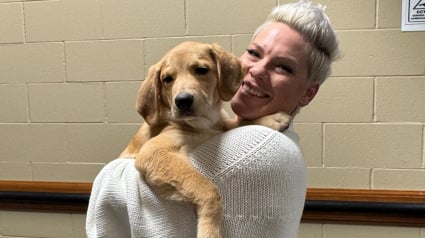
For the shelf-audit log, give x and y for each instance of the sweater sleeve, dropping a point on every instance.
(261, 177)
(260, 174)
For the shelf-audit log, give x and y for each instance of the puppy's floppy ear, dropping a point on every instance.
(149, 103)
(230, 72)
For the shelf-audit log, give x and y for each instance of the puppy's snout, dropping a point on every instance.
(184, 101)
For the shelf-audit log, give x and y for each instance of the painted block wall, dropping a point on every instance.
(70, 71)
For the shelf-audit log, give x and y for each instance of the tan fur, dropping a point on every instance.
(209, 74)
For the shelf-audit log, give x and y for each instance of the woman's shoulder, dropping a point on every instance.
(246, 146)
(259, 131)
(254, 137)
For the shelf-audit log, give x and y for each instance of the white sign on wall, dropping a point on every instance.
(413, 15)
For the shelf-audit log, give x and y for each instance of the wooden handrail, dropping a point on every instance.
(347, 206)
(46, 187)
(360, 206)
(365, 195)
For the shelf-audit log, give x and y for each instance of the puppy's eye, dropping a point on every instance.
(201, 70)
(168, 79)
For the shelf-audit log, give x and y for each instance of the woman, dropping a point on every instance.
(260, 172)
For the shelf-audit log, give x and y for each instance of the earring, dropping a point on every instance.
(304, 102)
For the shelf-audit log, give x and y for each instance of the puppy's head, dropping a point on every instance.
(188, 84)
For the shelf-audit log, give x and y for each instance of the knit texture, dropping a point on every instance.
(260, 174)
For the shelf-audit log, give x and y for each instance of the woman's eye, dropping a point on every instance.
(284, 68)
(168, 79)
(253, 53)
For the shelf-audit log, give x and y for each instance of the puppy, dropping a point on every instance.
(181, 102)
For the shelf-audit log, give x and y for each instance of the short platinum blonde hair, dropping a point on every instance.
(314, 25)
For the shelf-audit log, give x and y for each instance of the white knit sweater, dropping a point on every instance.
(260, 173)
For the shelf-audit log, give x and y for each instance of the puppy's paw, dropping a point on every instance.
(278, 121)
(208, 231)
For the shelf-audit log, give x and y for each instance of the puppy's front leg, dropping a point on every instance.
(169, 172)
(278, 121)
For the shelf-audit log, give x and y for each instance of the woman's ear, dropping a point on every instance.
(309, 94)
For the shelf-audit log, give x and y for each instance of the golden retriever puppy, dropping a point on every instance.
(181, 102)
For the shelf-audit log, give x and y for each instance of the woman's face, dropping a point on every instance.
(277, 63)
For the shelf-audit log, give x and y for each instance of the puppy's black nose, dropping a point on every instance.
(184, 101)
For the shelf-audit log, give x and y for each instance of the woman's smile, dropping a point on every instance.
(249, 89)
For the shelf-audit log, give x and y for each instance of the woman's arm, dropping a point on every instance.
(260, 174)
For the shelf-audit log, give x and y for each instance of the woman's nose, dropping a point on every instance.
(257, 70)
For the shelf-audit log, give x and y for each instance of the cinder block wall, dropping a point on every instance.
(70, 70)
